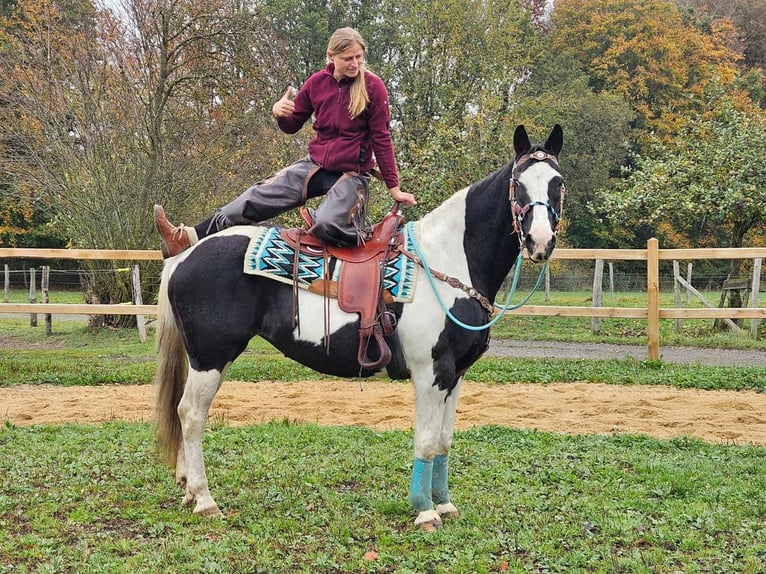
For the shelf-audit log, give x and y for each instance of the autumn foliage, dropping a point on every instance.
(105, 112)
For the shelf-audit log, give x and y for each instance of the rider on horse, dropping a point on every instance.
(351, 120)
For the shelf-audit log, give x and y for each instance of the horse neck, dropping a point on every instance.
(491, 245)
(471, 234)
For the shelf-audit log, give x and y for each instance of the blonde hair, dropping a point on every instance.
(340, 41)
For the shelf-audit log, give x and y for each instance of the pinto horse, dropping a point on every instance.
(209, 310)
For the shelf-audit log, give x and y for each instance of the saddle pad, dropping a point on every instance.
(269, 255)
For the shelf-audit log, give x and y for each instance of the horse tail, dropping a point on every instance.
(170, 376)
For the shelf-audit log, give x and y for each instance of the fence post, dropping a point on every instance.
(677, 290)
(598, 279)
(547, 283)
(755, 290)
(32, 296)
(611, 283)
(7, 291)
(140, 323)
(45, 295)
(653, 296)
(688, 279)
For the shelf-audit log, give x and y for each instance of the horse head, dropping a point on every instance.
(537, 192)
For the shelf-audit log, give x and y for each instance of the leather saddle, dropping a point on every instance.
(359, 288)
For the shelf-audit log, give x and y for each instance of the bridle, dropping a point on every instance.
(520, 211)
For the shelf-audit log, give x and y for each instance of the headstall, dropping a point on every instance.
(518, 210)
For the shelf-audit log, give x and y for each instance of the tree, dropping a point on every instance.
(109, 116)
(596, 130)
(749, 17)
(707, 186)
(645, 51)
(451, 67)
(303, 27)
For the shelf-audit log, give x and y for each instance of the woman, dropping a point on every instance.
(351, 121)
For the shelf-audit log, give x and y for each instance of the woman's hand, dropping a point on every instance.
(284, 106)
(406, 199)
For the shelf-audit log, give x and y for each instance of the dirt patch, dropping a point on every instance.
(572, 408)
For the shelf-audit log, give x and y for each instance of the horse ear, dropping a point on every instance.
(520, 140)
(556, 140)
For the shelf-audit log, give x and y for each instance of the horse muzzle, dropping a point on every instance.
(539, 251)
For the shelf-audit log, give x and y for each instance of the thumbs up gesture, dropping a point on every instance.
(284, 106)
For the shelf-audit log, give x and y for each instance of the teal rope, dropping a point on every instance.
(503, 308)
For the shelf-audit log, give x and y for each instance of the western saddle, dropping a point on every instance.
(359, 288)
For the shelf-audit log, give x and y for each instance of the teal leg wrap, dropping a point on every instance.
(439, 487)
(420, 485)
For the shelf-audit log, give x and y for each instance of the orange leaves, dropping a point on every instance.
(646, 51)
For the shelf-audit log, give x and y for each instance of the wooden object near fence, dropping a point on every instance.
(754, 300)
(547, 283)
(32, 297)
(598, 281)
(653, 299)
(677, 291)
(7, 290)
(689, 267)
(137, 300)
(44, 283)
(707, 303)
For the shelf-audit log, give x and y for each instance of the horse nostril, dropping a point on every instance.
(539, 252)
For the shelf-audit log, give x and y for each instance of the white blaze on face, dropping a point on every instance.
(535, 181)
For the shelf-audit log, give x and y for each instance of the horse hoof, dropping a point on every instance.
(428, 521)
(188, 500)
(447, 510)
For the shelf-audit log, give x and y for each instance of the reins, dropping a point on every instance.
(420, 259)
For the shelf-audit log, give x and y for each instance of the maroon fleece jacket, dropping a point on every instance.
(340, 143)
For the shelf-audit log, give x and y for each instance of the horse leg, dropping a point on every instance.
(439, 480)
(200, 389)
(429, 416)
(181, 472)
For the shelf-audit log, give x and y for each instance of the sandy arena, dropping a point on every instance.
(576, 408)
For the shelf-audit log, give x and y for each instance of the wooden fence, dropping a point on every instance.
(653, 313)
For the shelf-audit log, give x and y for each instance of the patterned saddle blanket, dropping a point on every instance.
(269, 255)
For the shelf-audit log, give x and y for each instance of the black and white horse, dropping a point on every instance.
(209, 310)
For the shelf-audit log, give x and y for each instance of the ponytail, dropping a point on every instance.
(359, 95)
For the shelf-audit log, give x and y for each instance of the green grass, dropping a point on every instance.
(60, 297)
(499, 370)
(302, 498)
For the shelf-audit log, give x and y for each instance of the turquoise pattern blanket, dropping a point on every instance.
(269, 255)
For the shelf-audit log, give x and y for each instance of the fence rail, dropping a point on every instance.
(653, 313)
